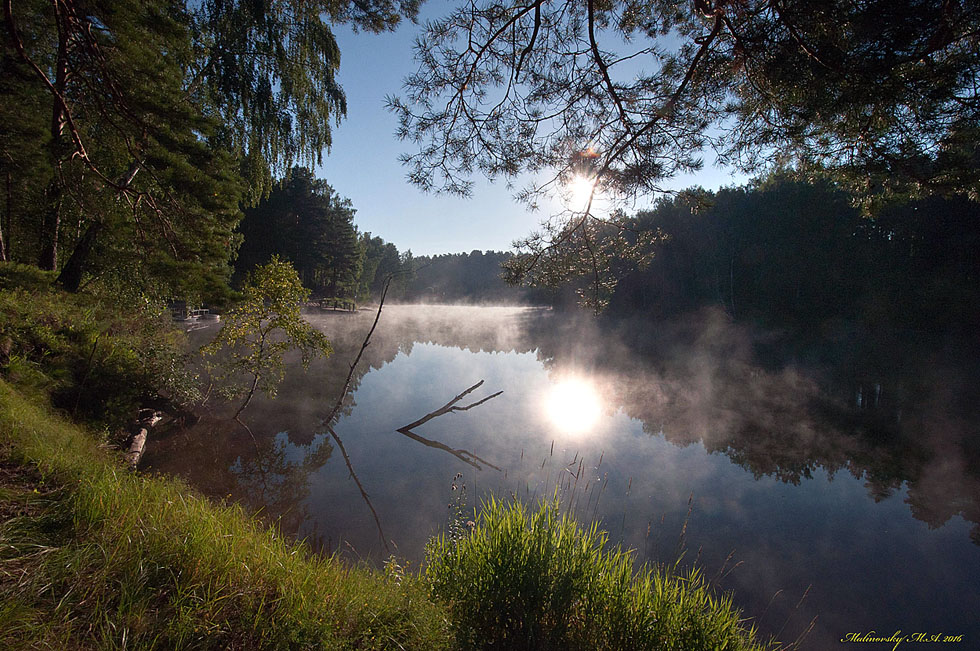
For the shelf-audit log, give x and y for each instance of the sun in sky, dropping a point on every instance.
(580, 190)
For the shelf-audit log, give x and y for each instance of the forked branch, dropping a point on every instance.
(463, 455)
(450, 406)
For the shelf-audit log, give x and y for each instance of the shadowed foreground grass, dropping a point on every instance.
(93, 556)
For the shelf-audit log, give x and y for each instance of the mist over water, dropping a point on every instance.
(850, 475)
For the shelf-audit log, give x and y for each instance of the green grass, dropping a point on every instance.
(108, 559)
(94, 556)
(534, 579)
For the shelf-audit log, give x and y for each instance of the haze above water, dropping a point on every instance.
(841, 485)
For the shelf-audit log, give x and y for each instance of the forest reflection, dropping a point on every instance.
(893, 417)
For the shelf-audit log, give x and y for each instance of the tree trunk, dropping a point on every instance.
(731, 277)
(3, 247)
(248, 398)
(5, 253)
(71, 274)
(51, 225)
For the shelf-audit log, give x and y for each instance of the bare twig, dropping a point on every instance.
(328, 421)
(477, 403)
(448, 407)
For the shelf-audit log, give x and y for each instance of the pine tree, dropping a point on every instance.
(148, 116)
(304, 221)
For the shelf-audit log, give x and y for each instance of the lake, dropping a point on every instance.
(835, 487)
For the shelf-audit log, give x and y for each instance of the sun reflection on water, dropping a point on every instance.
(573, 405)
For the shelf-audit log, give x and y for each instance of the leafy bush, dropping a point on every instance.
(96, 360)
(260, 330)
(534, 579)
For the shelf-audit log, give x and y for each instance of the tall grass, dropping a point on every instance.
(103, 558)
(532, 578)
(125, 561)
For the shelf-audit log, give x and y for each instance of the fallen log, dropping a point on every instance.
(147, 419)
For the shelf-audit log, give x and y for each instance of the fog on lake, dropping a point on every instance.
(838, 487)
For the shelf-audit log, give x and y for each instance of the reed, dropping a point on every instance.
(533, 578)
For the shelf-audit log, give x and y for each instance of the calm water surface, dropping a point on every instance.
(842, 493)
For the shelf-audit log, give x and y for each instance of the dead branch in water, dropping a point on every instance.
(463, 455)
(328, 421)
(450, 406)
(364, 495)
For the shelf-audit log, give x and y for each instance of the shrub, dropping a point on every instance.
(99, 362)
(261, 329)
(534, 579)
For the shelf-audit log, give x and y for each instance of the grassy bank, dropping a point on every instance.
(93, 556)
(108, 559)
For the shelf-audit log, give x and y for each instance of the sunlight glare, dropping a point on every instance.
(573, 405)
(579, 190)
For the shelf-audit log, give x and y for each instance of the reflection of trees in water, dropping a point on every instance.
(269, 476)
(704, 381)
(696, 381)
(273, 481)
(890, 414)
(400, 328)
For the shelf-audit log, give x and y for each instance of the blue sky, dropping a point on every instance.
(363, 162)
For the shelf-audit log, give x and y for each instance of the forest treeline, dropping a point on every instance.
(791, 253)
(782, 251)
(151, 149)
(303, 220)
(474, 277)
